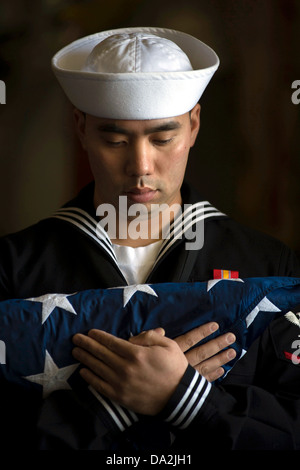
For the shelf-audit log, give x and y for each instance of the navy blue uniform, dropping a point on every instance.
(257, 406)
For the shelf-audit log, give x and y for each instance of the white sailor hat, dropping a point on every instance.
(135, 73)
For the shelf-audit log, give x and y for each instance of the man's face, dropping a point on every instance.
(143, 160)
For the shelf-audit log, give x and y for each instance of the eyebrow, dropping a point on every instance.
(164, 127)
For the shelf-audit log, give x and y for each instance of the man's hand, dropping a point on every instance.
(141, 374)
(207, 358)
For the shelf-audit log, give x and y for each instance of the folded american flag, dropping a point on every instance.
(36, 333)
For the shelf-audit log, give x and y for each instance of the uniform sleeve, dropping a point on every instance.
(81, 419)
(237, 418)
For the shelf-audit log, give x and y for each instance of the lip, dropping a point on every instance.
(141, 195)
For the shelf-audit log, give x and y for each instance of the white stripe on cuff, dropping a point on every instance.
(195, 412)
(184, 398)
(192, 400)
(118, 410)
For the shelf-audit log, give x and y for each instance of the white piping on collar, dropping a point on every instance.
(85, 222)
(193, 214)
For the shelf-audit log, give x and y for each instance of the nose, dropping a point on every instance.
(140, 160)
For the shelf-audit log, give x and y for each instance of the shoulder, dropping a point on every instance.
(257, 249)
(35, 235)
(49, 229)
(230, 229)
(230, 245)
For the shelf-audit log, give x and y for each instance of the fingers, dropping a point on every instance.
(209, 349)
(103, 345)
(212, 368)
(98, 358)
(208, 358)
(99, 367)
(106, 359)
(104, 353)
(188, 340)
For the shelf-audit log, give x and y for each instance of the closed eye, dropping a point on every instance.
(114, 143)
(162, 141)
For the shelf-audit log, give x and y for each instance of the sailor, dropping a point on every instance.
(136, 95)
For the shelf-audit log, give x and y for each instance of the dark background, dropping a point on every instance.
(246, 161)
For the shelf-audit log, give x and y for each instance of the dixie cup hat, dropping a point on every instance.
(135, 73)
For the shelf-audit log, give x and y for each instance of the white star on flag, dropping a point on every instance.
(53, 378)
(265, 305)
(293, 318)
(213, 282)
(129, 291)
(51, 301)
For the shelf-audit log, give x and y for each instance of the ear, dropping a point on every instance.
(79, 119)
(195, 123)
